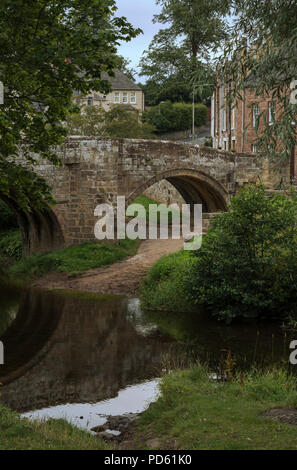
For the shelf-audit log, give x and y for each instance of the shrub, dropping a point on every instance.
(8, 218)
(164, 286)
(168, 117)
(247, 266)
(119, 121)
(11, 244)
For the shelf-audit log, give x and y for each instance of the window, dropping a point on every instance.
(233, 119)
(133, 98)
(233, 144)
(221, 109)
(90, 101)
(256, 112)
(224, 120)
(125, 98)
(271, 113)
(254, 148)
(117, 98)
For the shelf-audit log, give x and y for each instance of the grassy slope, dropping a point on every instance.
(74, 259)
(163, 287)
(196, 412)
(22, 434)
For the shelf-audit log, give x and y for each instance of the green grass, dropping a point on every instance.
(196, 412)
(23, 434)
(163, 288)
(146, 202)
(75, 259)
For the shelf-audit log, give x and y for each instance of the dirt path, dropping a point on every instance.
(122, 278)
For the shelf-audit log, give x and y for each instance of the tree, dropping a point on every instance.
(118, 122)
(179, 55)
(170, 117)
(266, 62)
(124, 65)
(48, 49)
(247, 265)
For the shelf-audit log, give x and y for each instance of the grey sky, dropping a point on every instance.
(140, 13)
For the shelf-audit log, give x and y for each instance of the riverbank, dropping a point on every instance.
(120, 278)
(22, 434)
(252, 411)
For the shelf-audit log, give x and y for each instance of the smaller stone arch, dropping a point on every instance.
(40, 229)
(195, 186)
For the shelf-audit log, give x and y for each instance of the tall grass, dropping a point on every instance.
(75, 259)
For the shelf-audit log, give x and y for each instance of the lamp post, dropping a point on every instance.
(193, 106)
(162, 102)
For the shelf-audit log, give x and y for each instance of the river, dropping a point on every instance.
(81, 356)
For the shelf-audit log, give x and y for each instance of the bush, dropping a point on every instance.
(247, 266)
(119, 122)
(8, 218)
(164, 286)
(11, 244)
(168, 117)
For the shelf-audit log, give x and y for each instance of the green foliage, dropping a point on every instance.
(22, 434)
(196, 412)
(180, 55)
(8, 218)
(119, 121)
(48, 49)
(11, 245)
(168, 117)
(247, 266)
(267, 67)
(164, 286)
(74, 259)
(125, 122)
(146, 202)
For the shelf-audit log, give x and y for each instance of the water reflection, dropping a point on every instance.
(65, 352)
(62, 349)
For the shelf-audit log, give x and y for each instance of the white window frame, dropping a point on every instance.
(271, 115)
(221, 109)
(90, 101)
(133, 97)
(125, 99)
(117, 97)
(254, 148)
(255, 114)
(233, 119)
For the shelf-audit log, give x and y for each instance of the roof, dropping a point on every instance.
(120, 81)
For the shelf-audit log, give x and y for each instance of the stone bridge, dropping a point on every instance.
(98, 170)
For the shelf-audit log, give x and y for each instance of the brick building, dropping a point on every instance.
(234, 127)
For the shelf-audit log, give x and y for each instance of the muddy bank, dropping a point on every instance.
(122, 278)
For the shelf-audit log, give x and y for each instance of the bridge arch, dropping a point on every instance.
(40, 229)
(195, 186)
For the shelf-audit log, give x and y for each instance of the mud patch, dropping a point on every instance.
(283, 415)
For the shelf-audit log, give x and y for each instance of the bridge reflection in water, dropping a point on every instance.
(81, 349)
(63, 349)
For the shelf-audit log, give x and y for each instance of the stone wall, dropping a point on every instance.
(165, 192)
(96, 171)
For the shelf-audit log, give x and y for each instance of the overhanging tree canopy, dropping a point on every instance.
(48, 49)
